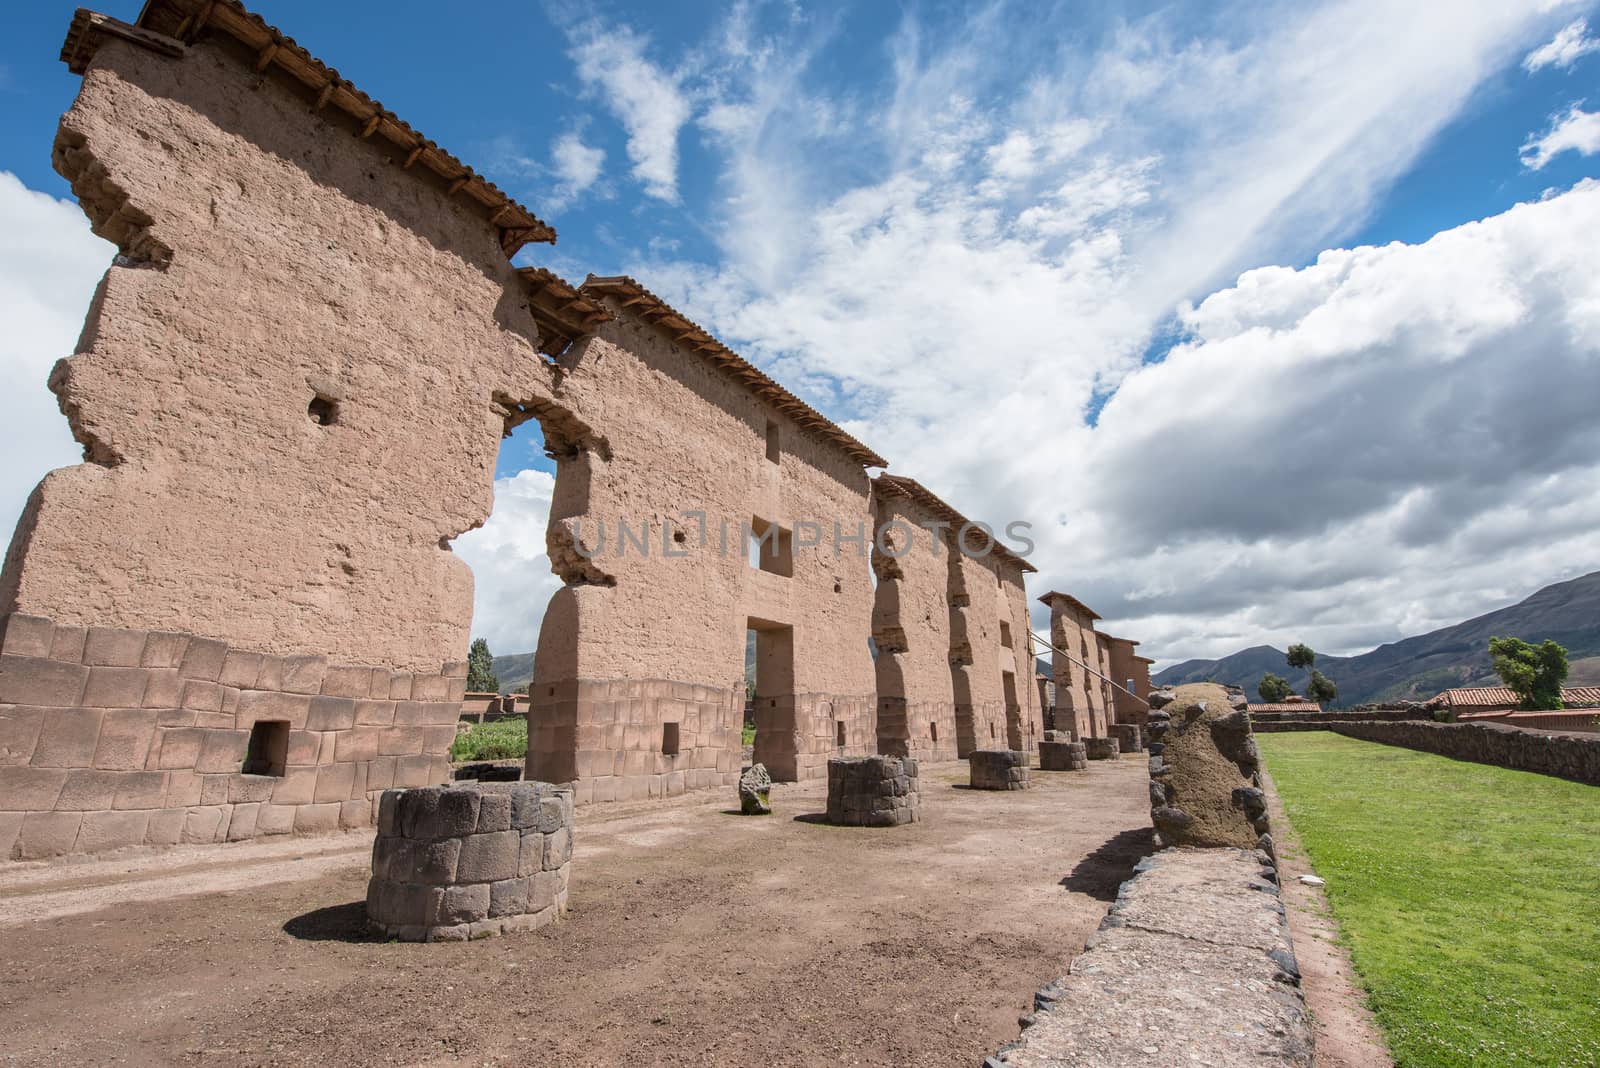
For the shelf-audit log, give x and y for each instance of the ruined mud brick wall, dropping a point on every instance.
(239, 616)
(876, 791)
(911, 628)
(111, 737)
(1125, 704)
(989, 660)
(1141, 681)
(1102, 664)
(291, 385)
(642, 651)
(1080, 696)
(1565, 756)
(1195, 954)
(470, 860)
(1205, 770)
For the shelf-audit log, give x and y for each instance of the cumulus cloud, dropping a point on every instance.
(48, 272)
(512, 578)
(577, 168)
(1569, 45)
(648, 101)
(1576, 131)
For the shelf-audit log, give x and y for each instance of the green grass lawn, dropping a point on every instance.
(504, 739)
(1469, 896)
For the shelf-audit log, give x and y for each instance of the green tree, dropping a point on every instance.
(1301, 656)
(480, 669)
(1321, 689)
(1533, 672)
(1273, 688)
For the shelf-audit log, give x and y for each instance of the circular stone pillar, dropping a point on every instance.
(998, 769)
(875, 791)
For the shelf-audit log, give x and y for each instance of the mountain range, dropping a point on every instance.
(1417, 668)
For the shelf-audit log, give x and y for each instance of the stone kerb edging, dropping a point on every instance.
(470, 860)
(1194, 955)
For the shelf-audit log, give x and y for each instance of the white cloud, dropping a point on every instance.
(512, 578)
(1576, 131)
(647, 100)
(1569, 45)
(48, 272)
(577, 168)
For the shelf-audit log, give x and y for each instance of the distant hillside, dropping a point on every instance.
(513, 670)
(1420, 667)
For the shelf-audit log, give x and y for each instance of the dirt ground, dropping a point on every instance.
(696, 936)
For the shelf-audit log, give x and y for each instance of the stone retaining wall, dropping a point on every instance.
(873, 791)
(1562, 755)
(1195, 956)
(112, 737)
(1279, 722)
(467, 861)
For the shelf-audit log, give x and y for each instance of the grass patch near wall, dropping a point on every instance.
(1469, 896)
(504, 739)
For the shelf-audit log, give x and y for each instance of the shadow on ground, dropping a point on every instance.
(336, 923)
(1100, 873)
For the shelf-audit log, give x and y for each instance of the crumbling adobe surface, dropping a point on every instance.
(274, 266)
(1205, 774)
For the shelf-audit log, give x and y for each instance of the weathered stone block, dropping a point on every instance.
(257, 705)
(488, 857)
(22, 635)
(180, 747)
(203, 659)
(67, 738)
(140, 790)
(331, 714)
(165, 827)
(220, 751)
(87, 791)
(47, 834)
(114, 647)
(164, 649)
(125, 737)
(111, 830)
(240, 669)
(31, 680)
(68, 642)
(334, 782)
(19, 733)
(163, 688)
(318, 818)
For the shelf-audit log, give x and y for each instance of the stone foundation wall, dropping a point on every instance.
(981, 726)
(925, 730)
(452, 863)
(1562, 755)
(998, 769)
(1278, 722)
(610, 737)
(874, 791)
(112, 737)
(1194, 956)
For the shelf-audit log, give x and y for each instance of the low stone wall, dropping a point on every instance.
(453, 863)
(1062, 755)
(998, 769)
(1101, 748)
(1565, 756)
(111, 737)
(1280, 722)
(874, 791)
(1195, 957)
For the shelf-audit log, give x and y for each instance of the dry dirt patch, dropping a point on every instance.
(696, 935)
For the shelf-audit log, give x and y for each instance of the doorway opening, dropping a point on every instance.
(769, 682)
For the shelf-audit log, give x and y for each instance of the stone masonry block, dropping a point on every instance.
(430, 688)
(214, 789)
(246, 789)
(270, 674)
(67, 738)
(31, 680)
(297, 787)
(494, 812)
(355, 814)
(361, 744)
(111, 830)
(164, 649)
(114, 647)
(200, 696)
(557, 848)
(374, 713)
(239, 669)
(163, 688)
(257, 705)
(68, 642)
(19, 733)
(87, 791)
(243, 824)
(509, 897)
(47, 834)
(115, 687)
(125, 737)
(183, 789)
(180, 747)
(304, 674)
(412, 771)
(488, 858)
(221, 751)
(275, 819)
(334, 781)
(202, 660)
(346, 681)
(140, 790)
(331, 714)
(317, 819)
(200, 824)
(22, 635)
(165, 827)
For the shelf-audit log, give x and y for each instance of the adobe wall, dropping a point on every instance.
(1080, 696)
(270, 256)
(911, 628)
(639, 639)
(1125, 705)
(984, 592)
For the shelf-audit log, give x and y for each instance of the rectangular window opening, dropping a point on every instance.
(669, 739)
(839, 733)
(933, 731)
(770, 548)
(1005, 634)
(774, 445)
(267, 752)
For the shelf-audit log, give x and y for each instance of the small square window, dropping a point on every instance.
(267, 752)
(669, 739)
(770, 547)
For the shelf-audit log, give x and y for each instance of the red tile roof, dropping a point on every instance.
(1286, 706)
(1501, 696)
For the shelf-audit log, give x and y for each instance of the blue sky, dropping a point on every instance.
(946, 224)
